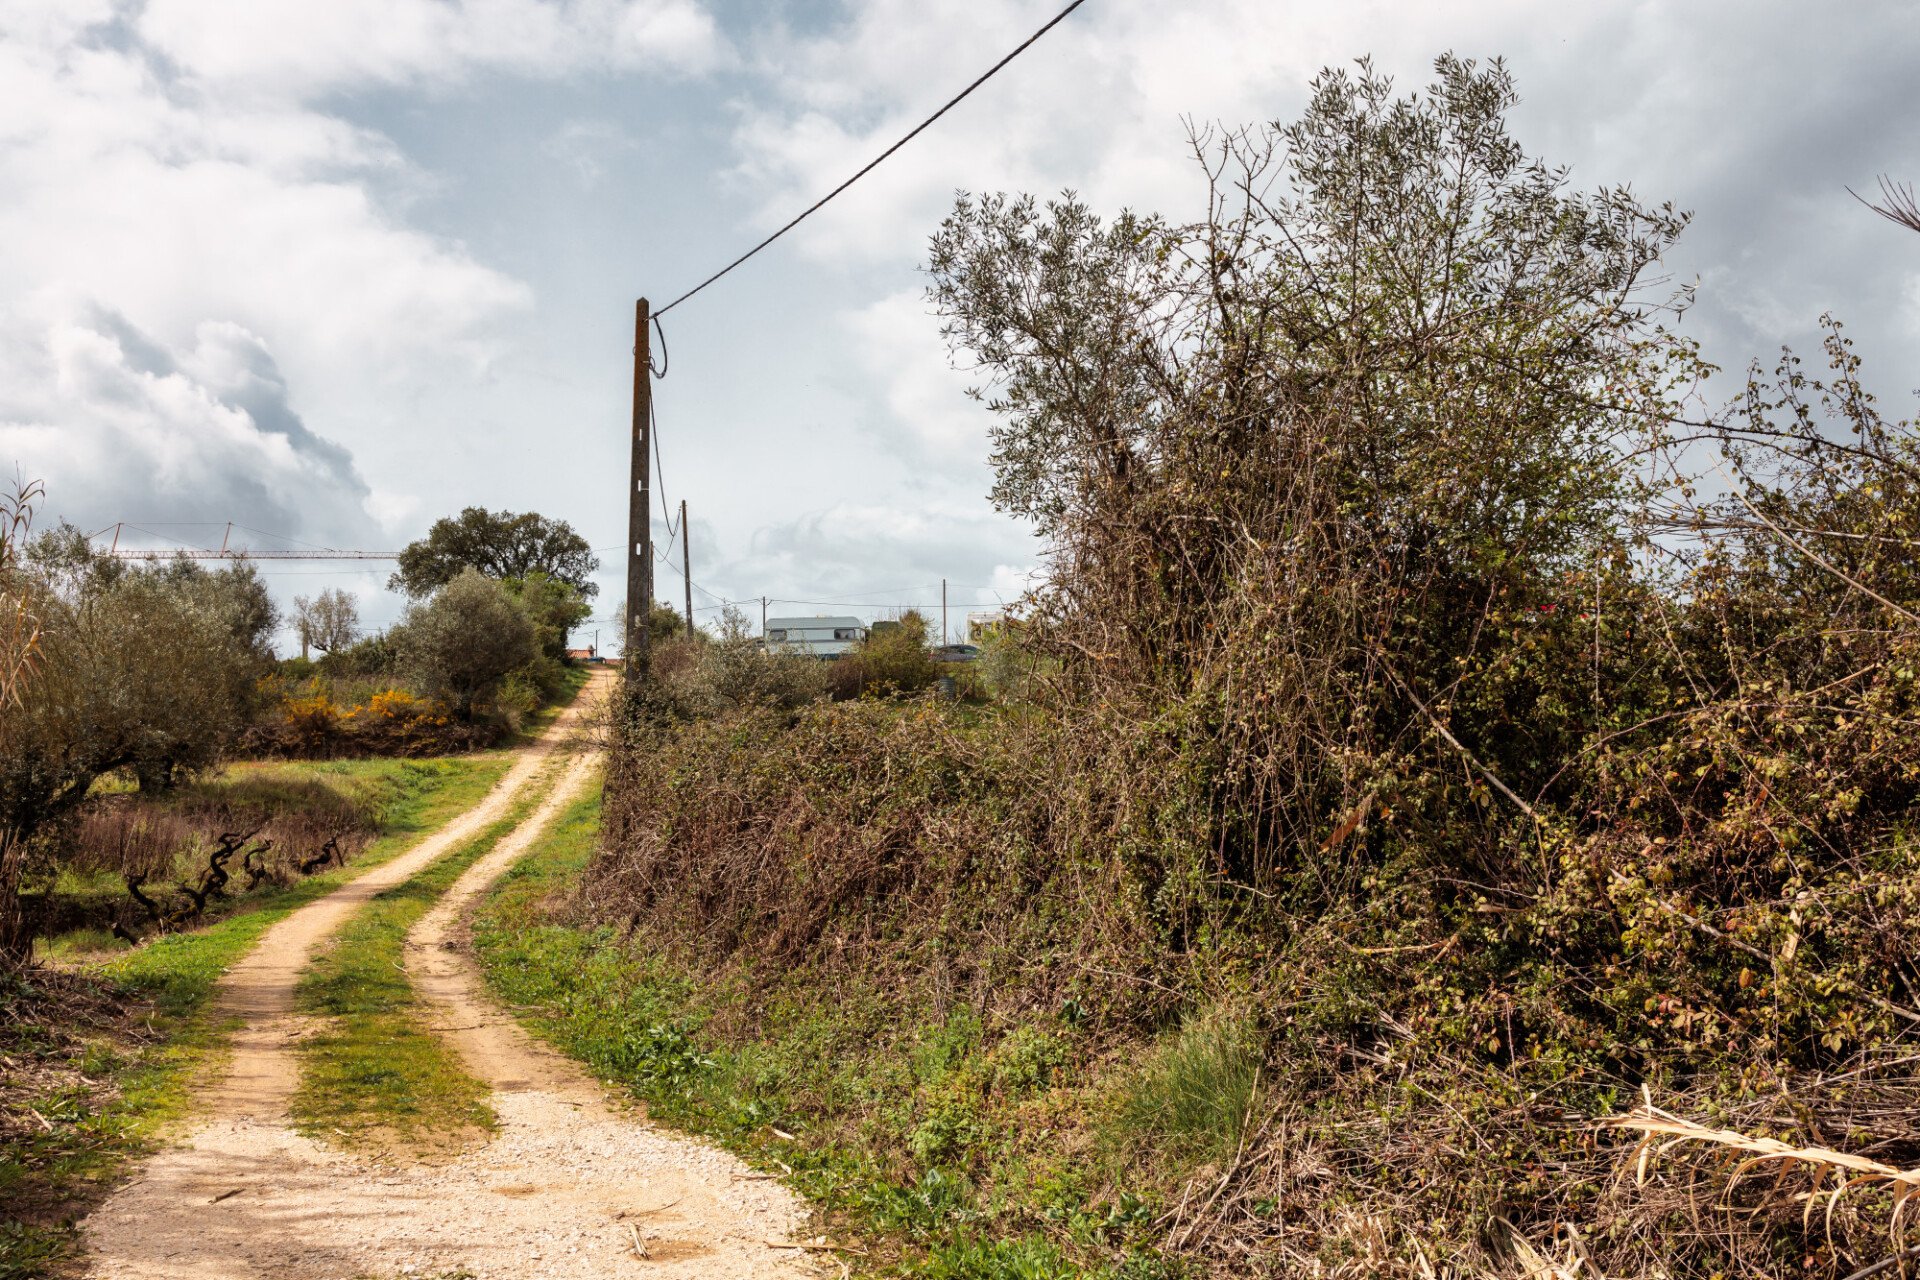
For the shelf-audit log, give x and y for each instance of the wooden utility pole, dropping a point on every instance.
(639, 503)
(943, 613)
(686, 564)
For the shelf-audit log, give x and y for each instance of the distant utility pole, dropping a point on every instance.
(639, 504)
(763, 619)
(686, 565)
(943, 611)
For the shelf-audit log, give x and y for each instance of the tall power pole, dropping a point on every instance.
(639, 503)
(943, 612)
(686, 565)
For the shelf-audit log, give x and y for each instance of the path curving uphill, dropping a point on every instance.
(567, 1188)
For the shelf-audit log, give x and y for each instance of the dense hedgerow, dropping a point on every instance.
(1442, 736)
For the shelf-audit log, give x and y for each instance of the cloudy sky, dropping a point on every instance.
(330, 269)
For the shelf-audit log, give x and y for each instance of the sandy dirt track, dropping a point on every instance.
(565, 1189)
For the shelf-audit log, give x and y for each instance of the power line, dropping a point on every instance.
(242, 553)
(283, 537)
(955, 101)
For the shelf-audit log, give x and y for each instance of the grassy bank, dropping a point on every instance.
(869, 1114)
(376, 1076)
(99, 1058)
(994, 1008)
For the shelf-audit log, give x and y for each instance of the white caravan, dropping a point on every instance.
(819, 637)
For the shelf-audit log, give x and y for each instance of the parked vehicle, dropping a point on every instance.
(819, 637)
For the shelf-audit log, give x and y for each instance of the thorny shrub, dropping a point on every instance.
(1408, 674)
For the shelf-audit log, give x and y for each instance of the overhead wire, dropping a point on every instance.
(660, 371)
(284, 538)
(816, 205)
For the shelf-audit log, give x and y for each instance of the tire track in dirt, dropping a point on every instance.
(563, 1191)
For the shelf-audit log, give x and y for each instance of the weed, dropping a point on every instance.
(29, 1251)
(997, 1260)
(1197, 1087)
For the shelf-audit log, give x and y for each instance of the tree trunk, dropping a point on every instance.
(16, 935)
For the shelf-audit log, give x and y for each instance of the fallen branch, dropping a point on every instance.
(831, 1248)
(1653, 1122)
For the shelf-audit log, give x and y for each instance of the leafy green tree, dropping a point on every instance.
(1309, 463)
(556, 608)
(146, 669)
(463, 642)
(663, 621)
(500, 545)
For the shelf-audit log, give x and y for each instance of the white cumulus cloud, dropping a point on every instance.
(277, 47)
(120, 427)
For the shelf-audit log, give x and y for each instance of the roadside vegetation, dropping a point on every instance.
(1449, 749)
(494, 598)
(98, 1054)
(153, 675)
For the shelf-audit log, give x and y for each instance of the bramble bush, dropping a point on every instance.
(1429, 698)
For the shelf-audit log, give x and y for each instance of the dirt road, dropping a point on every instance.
(567, 1188)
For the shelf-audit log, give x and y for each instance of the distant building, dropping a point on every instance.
(583, 655)
(820, 637)
(981, 626)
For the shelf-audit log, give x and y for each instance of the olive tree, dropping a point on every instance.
(147, 669)
(1291, 458)
(555, 605)
(463, 641)
(19, 627)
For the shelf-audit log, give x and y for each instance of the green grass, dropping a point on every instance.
(376, 1072)
(1198, 1087)
(847, 1086)
(48, 1178)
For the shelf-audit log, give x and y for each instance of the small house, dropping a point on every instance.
(822, 636)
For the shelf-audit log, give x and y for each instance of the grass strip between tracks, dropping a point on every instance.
(377, 1076)
(155, 1034)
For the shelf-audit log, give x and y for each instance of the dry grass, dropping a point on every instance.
(176, 855)
(1829, 1174)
